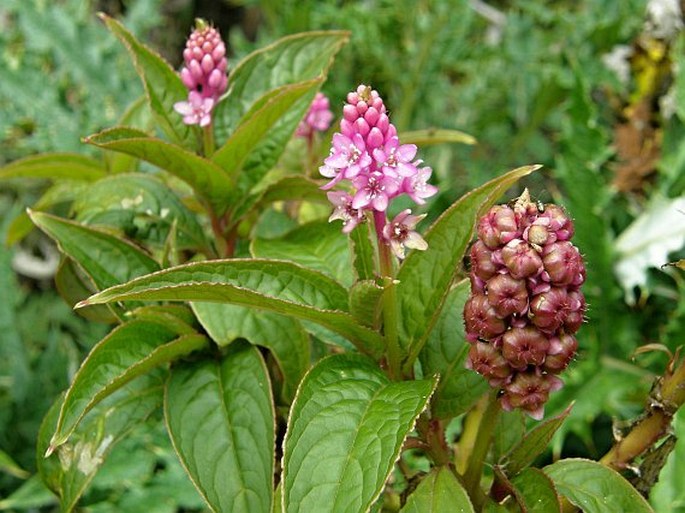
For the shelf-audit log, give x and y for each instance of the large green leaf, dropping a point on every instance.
(595, 488)
(532, 444)
(445, 353)
(289, 60)
(204, 176)
(71, 467)
(142, 207)
(282, 287)
(107, 259)
(364, 252)
(163, 86)
(536, 491)
(345, 431)
(282, 335)
(220, 417)
(129, 351)
(54, 166)
(317, 245)
(257, 123)
(426, 276)
(438, 492)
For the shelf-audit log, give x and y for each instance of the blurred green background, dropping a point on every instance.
(592, 89)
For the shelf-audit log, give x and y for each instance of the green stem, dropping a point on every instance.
(208, 140)
(390, 317)
(484, 428)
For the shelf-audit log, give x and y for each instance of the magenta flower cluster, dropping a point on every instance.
(317, 119)
(203, 73)
(369, 160)
(525, 304)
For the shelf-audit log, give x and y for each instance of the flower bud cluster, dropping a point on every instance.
(367, 156)
(203, 73)
(525, 304)
(317, 119)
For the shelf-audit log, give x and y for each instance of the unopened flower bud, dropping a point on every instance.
(485, 359)
(480, 318)
(497, 227)
(563, 263)
(576, 310)
(549, 310)
(524, 346)
(507, 295)
(560, 353)
(482, 264)
(530, 391)
(521, 259)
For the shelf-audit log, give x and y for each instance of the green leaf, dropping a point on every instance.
(365, 303)
(433, 136)
(426, 276)
(533, 444)
(256, 125)
(364, 252)
(345, 431)
(281, 287)
(510, 427)
(317, 245)
(220, 417)
(438, 492)
(289, 60)
(8, 465)
(204, 176)
(291, 188)
(163, 86)
(71, 468)
(537, 492)
(445, 353)
(142, 207)
(107, 259)
(668, 495)
(595, 488)
(31, 495)
(282, 335)
(129, 351)
(54, 166)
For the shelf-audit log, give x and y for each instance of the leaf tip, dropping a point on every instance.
(82, 304)
(50, 450)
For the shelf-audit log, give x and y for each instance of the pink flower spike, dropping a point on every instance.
(348, 155)
(400, 233)
(318, 119)
(395, 159)
(350, 217)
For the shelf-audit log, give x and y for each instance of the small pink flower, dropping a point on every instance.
(417, 186)
(197, 110)
(375, 190)
(400, 233)
(395, 159)
(347, 159)
(350, 217)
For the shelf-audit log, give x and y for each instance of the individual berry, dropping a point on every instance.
(521, 259)
(481, 319)
(497, 227)
(485, 359)
(522, 347)
(507, 295)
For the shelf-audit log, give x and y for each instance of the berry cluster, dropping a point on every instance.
(203, 73)
(368, 155)
(525, 303)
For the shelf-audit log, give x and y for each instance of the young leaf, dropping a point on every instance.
(282, 335)
(289, 60)
(220, 417)
(345, 431)
(426, 276)
(69, 470)
(365, 302)
(142, 207)
(537, 492)
(363, 251)
(129, 351)
(107, 259)
(436, 136)
(595, 488)
(445, 352)
(205, 177)
(256, 125)
(437, 492)
(318, 245)
(54, 166)
(532, 444)
(282, 287)
(163, 86)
